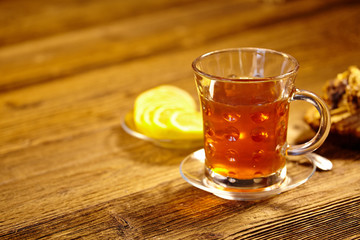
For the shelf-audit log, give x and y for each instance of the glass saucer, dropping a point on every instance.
(299, 170)
(129, 127)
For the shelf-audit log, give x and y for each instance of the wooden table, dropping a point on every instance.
(69, 72)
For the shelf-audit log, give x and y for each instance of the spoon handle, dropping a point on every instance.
(321, 162)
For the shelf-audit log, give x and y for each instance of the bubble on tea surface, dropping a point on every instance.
(258, 155)
(210, 148)
(258, 174)
(231, 134)
(206, 108)
(280, 149)
(231, 173)
(231, 117)
(260, 117)
(282, 128)
(232, 75)
(209, 132)
(282, 108)
(259, 134)
(231, 155)
(231, 180)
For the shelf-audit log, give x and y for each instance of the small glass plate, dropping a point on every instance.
(299, 170)
(129, 127)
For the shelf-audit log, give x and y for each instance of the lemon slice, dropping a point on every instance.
(188, 124)
(144, 121)
(167, 112)
(164, 95)
(162, 115)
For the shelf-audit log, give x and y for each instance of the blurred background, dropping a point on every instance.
(54, 39)
(143, 43)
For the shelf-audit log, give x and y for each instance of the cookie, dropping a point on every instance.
(342, 95)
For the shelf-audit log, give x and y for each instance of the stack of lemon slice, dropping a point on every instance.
(167, 112)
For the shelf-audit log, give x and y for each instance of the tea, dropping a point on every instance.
(245, 132)
(245, 95)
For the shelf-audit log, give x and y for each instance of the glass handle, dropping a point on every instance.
(324, 126)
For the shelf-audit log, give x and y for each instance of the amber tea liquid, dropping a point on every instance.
(245, 130)
(245, 95)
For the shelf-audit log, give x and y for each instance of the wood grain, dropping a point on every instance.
(68, 54)
(71, 70)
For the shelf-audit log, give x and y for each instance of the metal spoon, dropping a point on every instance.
(321, 162)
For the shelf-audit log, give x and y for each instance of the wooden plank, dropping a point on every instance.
(39, 19)
(66, 176)
(71, 53)
(102, 96)
(157, 212)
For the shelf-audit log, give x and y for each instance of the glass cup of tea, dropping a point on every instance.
(245, 95)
